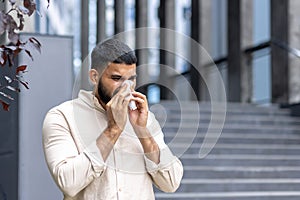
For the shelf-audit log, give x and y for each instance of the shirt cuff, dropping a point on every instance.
(166, 158)
(93, 153)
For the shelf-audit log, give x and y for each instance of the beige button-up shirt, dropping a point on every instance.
(70, 131)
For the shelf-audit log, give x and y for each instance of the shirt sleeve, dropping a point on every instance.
(71, 170)
(168, 173)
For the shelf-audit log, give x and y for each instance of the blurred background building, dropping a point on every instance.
(254, 28)
(253, 43)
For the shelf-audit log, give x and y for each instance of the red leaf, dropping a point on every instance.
(5, 105)
(18, 50)
(21, 68)
(30, 5)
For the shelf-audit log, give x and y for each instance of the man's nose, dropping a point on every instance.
(129, 84)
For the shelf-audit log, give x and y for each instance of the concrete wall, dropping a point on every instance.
(294, 42)
(9, 145)
(50, 80)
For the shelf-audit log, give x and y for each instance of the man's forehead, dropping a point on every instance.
(120, 68)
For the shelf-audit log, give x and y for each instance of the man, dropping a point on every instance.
(98, 148)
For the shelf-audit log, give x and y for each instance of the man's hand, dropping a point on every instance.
(117, 110)
(138, 118)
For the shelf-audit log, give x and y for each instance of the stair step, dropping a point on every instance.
(241, 129)
(239, 146)
(232, 140)
(253, 113)
(248, 136)
(257, 154)
(229, 118)
(217, 108)
(193, 125)
(242, 172)
(220, 151)
(244, 157)
(222, 148)
(207, 105)
(239, 185)
(253, 195)
(253, 135)
(242, 161)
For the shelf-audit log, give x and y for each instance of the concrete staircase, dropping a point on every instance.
(257, 155)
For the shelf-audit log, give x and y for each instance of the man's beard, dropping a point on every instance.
(103, 93)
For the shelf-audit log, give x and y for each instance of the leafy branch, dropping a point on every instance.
(11, 23)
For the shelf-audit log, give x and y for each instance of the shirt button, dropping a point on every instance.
(120, 190)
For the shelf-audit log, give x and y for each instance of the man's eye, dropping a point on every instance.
(116, 78)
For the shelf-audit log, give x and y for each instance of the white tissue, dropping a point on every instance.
(132, 104)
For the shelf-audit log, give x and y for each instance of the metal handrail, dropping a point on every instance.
(282, 45)
(250, 50)
(259, 47)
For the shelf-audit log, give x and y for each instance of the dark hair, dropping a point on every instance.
(111, 50)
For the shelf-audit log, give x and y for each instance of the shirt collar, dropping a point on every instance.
(89, 98)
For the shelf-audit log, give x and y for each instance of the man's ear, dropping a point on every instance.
(94, 76)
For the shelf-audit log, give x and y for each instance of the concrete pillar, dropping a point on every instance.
(239, 36)
(141, 9)
(279, 56)
(101, 20)
(206, 42)
(84, 42)
(294, 42)
(246, 41)
(196, 35)
(119, 16)
(167, 20)
(234, 51)
(201, 21)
